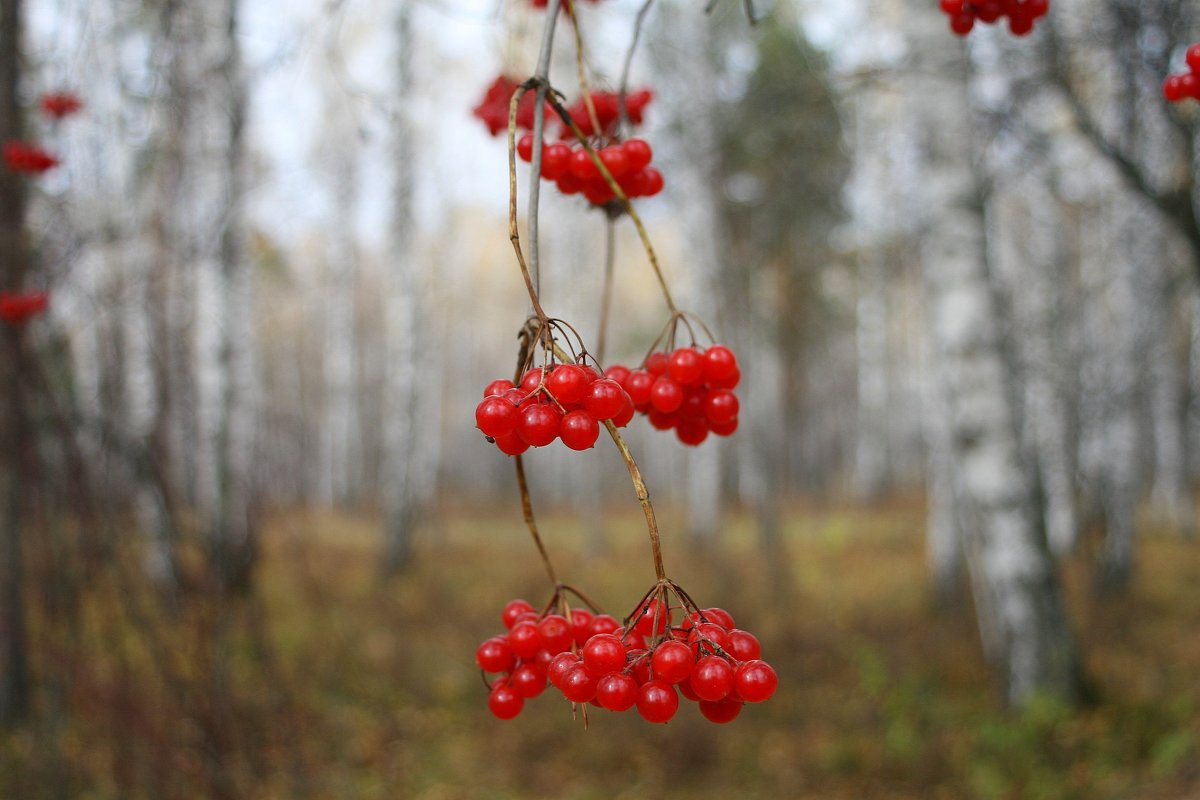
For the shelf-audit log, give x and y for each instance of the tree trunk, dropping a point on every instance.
(14, 427)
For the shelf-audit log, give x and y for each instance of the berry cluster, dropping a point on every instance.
(592, 659)
(27, 158)
(493, 108)
(689, 390)
(1187, 84)
(574, 172)
(1022, 14)
(563, 401)
(17, 308)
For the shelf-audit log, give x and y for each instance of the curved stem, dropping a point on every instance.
(637, 34)
(542, 76)
(643, 496)
(619, 193)
(527, 509)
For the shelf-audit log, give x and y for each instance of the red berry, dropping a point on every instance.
(531, 379)
(988, 11)
(672, 661)
(713, 633)
(953, 6)
(603, 623)
(556, 161)
(725, 428)
(657, 701)
(605, 398)
(614, 159)
(637, 153)
(539, 424)
(505, 703)
(1020, 22)
(712, 678)
(638, 385)
(527, 681)
(525, 147)
(719, 616)
(511, 444)
(617, 692)
(559, 666)
(603, 654)
(495, 416)
(962, 23)
(617, 373)
(494, 655)
(666, 395)
(568, 383)
(744, 646)
(721, 711)
(652, 184)
(513, 609)
(582, 166)
(727, 383)
(581, 623)
(555, 633)
(685, 689)
(756, 681)
(524, 639)
(656, 363)
(685, 366)
(660, 421)
(719, 363)
(578, 685)
(625, 414)
(646, 622)
(1173, 88)
(721, 406)
(1193, 57)
(579, 430)
(691, 432)
(497, 387)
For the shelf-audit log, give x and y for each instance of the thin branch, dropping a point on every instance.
(527, 509)
(606, 292)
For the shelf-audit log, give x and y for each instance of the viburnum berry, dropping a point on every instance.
(1177, 88)
(559, 666)
(524, 639)
(579, 430)
(657, 701)
(721, 711)
(539, 424)
(568, 383)
(554, 633)
(603, 623)
(527, 680)
(756, 681)
(513, 609)
(581, 623)
(672, 661)
(743, 645)
(712, 678)
(496, 416)
(617, 692)
(494, 655)
(578, 685)
(492, 110)
(505, 703)
(1022, 14)
(603, 654)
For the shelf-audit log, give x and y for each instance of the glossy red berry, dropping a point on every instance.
(556, 161)
(525, 147)
(724, 428)
(657, 701)
(719, 616)
(756, 681)
(524, 639)
(721, 711)
(554, 632)
(538, 424)
(582, 166)
(603, 654)
(721, 406)
(579, 430)
(666, 395)
(603, 623)
(1193, 57)
(531, 380)
(497, 387)
(578, 685)
(712, 678)
(961, 24)
(685, 366)
(617, 692)
(625, 414)
(672, 661)
(743, 645)
(494, 655)
(495, 416)
(505, 703)
(581, 623)
(614, 159)
(638, 385)
(528, 681)
(559, 666)
(691, 432)
(568, 383)
(511, 444)
(637, 153)
(513, 609)
(719, 363)
(605, 398)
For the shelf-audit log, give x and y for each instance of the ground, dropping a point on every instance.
(333, 683)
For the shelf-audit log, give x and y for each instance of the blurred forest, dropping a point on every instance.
(250, 536)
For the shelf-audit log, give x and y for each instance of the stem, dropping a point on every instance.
(637, 34)
(527, 508)
(580, 68)
(610, 249)
(643, 496)
(514, 234)
(620, 195)
(542, 76)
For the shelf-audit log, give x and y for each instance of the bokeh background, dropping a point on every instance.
(251, 536)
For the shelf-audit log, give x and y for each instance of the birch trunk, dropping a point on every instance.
(405, 322)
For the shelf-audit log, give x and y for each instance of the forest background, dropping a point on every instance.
(251, 536)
